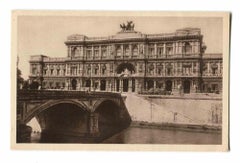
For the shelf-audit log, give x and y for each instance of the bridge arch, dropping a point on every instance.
(109, 116)
(100, 102)
(37, 110)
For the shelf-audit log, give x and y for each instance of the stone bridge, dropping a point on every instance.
(86, 117)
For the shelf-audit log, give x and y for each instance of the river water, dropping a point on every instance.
(137, 135)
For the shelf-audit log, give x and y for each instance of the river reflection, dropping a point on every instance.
(136, 135)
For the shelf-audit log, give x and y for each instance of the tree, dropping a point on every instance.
(20, 80)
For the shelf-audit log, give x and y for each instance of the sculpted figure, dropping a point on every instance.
(128, 27)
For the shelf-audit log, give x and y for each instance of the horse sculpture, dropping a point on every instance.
(128, 27)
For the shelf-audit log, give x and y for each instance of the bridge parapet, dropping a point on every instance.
(62, 94)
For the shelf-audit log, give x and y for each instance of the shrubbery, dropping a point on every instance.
(156, 91)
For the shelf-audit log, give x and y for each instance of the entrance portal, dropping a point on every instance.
(125, 85)
(168, 85)
(186, 86)
(74, 84)
(125, 69)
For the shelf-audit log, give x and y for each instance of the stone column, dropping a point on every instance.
(181, 68)
(80, 84)
(130, 85)
(180, 48)
(136, 85)
(69, 51)
(100, 51)
(192, 69)
(115, 85)
(197, 47)
(122, 51)
(197, 68)
(164, 49)
(219, 68)
(92, 53)
(164, 69)
(146, 86)
(93, 124)
(155, 50)
(208, 67)
(120, 85)
(130, 50)
(174, 48)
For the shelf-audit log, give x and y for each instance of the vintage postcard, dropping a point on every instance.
(109, 80)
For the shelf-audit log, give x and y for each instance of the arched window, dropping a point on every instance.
(104, 69)
(135, 50)
(151, 51)
(96, 68)
(151, 69)
(104, 51)
(77, 51)
(89, 52)
(160, 50)
(159, 69)
(127, 51)
(119, 51)
(187, 48)
(73, 51)
(96, 52)
(89, 69)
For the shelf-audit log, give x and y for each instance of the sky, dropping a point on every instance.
(46, 34)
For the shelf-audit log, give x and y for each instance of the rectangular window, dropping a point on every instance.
(104, 53)
(89, 54)
(95, 71)
(51, 72)
(45, 72)
(57, 85)
(103, 71)
(88, 71)
(96, 53)
(34, 71)
(111, 68)
(151, 51)
(73, 71)
(169, 50)
(160, 51)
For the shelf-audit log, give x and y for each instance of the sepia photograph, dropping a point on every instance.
(98, 80)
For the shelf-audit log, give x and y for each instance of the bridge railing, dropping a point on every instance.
(61, 94)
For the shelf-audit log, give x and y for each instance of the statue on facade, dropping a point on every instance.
(123, 26)
(128, 27)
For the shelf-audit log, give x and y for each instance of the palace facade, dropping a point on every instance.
(131, 61)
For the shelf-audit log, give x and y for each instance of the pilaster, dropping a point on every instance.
(93, 124)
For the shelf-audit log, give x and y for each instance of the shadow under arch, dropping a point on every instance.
(110, 119)
(62, 121)
(52, 103)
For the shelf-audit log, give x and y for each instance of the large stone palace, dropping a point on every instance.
(131, 61)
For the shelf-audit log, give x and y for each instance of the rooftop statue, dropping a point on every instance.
(128, 27)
